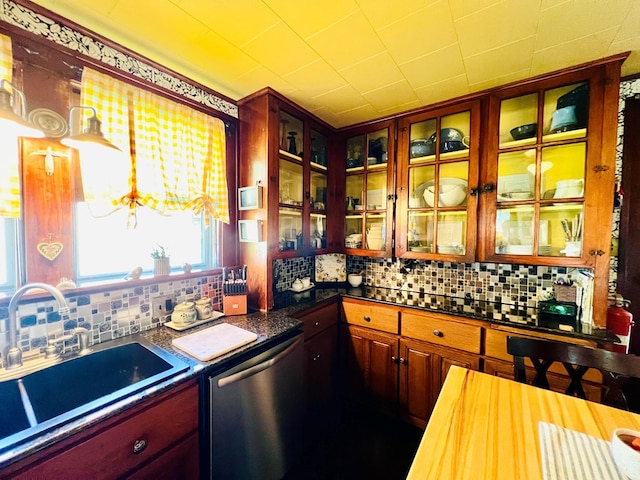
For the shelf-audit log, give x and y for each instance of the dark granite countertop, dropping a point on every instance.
(280, 323)
(505, 314)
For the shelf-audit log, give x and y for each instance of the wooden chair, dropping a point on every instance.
(616, 368)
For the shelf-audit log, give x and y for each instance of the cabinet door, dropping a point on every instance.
(320, 367)
(370, 364)
(438, 158)
(178, 463)
(369, 187)
(302, 170)
(544, 144)
(423, 369)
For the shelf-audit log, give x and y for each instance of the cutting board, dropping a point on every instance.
(212, 342)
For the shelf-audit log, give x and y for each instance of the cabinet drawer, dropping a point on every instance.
(442, 331)
(372, 316)
(109, 453)
(496, 347)
(319, 319)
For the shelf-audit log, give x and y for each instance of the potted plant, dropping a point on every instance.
(161, 264)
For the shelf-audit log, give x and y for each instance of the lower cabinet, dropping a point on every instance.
(370, 367)
(423, 369)
(320, 327)
(157, 439)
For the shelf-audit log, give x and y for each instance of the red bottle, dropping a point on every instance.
(620, 321)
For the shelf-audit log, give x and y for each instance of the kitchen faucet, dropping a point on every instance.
(14, 356)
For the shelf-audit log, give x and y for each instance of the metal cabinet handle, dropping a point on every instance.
(139, 446)
(394, 359)
(403, 361)
(438, 333)
(367, 319)
(316, 357)
(316, 324)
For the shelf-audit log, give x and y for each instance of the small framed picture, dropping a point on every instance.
(250, 198)
(250, 230)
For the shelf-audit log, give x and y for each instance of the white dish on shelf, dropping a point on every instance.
(519, 249)
(186, 326)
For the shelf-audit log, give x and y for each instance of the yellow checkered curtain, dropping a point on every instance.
(9, 157)
(177, 153)
(106, 176)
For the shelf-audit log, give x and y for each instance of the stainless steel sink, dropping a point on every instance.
(71, 389)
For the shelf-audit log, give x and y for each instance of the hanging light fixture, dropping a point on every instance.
(10, 121)
(91, 136)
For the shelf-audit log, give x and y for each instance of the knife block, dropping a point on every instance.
(234, 304)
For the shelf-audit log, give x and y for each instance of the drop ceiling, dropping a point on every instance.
(350, 61)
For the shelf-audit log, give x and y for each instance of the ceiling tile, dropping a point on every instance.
(380, 15)
(591, 47)
(280, 50)
(432, 68)
(462, 8)
(631, 66)
(372, 73)
(341, 99)
(309, 18)
(500, 61)
(419, 34)
(574, 20)
(449, 88)
(354, 116)
(499, 81)
(337, 44)
(391, 96)
(239, 21)
(507, 21)
(315, 78)
(259, 78)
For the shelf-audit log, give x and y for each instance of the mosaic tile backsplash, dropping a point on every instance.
(507, 284)
(107, 315)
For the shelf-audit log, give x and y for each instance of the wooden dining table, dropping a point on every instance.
(485, 427)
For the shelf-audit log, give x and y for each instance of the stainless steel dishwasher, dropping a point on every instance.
(256, 415)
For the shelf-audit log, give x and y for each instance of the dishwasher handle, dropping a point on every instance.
(236, 377)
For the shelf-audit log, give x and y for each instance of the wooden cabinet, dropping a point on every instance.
(548, 173)
(370, 368)
(287, 151)
(158, 439)
(369, 169)
(320, 361)
(423, 368)
(393, 361)
(437, 167)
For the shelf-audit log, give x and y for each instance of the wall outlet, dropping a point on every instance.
(162, 306)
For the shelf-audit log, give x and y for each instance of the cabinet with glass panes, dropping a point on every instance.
(548, 173)
(369, 167)
(539, 169)
(302, 186)
(437, 173)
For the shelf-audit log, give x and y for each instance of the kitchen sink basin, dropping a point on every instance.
(71, 389)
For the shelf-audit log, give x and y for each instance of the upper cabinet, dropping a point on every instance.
(287, 150)
(302, 185)
(544, 172)
(369, 186)
(437, 166)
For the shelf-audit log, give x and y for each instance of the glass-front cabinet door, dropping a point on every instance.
(302, 186)
(437, 175)
(538, 172)
(368, 187)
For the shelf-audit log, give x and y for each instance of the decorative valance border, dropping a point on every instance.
(65, 36)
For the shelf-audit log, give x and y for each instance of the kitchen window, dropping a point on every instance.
(8, 260)
(105, 249)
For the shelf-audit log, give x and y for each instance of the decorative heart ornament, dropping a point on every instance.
(50, 250)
